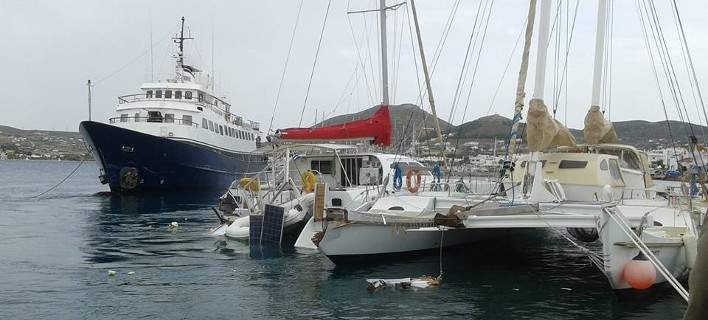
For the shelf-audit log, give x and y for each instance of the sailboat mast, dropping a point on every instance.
(599, 52)
(542, 49)
(521, 81)
(427, 75)
(384, 53)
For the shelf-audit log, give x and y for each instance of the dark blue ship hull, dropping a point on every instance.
(134, 162)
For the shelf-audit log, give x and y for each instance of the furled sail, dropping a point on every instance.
(542, 131)
(376, 128)
(598, 129)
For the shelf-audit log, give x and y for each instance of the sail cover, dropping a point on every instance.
(543, 131)
(376, 128)
(598, 129)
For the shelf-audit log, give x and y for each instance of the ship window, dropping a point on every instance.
(137, 116)
(321, 166)
(572, 164)
(168, 94)
(200, 96)
(154, 116)
(231, 132)
(614, 169)
(188, 95)
(211, 126)
(240, 135)
(124, 117)
(221, 130)
(158, 93)
(603, 165)
(148, 94)
(178, 94)
(187, 120)
(205, 124)
(169, 118)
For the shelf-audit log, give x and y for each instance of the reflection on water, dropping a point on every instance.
(57, 251)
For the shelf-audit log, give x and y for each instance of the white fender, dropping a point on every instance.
(239, 229)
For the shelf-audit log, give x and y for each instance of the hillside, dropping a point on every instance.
(640, 133)
(41, 144)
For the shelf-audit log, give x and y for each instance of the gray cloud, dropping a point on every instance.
(50, 49)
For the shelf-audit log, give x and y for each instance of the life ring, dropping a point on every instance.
(409, 175)
(249, 184)
(309, 179)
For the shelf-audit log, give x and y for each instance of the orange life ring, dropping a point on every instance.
(409, 175)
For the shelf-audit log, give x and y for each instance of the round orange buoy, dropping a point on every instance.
(639, 274)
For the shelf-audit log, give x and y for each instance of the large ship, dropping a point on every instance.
(176, 134)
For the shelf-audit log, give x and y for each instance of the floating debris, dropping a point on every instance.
(567, 289)
(131, 273)
(174, 226)
(111, 273)
(402, 283)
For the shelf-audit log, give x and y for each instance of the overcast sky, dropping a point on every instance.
(50, 48)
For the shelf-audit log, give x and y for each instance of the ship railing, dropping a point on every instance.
(234, 119)
(153, 120)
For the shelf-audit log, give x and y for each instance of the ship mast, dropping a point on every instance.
(179, 70)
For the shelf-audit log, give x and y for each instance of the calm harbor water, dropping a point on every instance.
(55, 253)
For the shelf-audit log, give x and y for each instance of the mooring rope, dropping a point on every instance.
(60, 182)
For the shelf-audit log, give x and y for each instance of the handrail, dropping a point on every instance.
(152, 119)
(237, 120)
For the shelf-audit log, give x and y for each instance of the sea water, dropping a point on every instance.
(56, 252)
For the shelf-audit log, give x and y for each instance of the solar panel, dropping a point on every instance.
(272, 231)
(254, 232)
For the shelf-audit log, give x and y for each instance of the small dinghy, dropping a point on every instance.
(296, 211)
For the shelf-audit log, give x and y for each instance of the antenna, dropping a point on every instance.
(180, 53)
(152, 66)
(88, 84)
(213, 75)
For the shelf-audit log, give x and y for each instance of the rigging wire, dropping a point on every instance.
(285, 66)
(689, 60)
(472, 82)
(648, 47)
(508, 63)
(314, 63)
(361, 60)
(131, 61)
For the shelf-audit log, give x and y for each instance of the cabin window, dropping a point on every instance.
(205, 124)
(187, 120)
(200, 97)
(543, 164)
(169, 118)
(188, 95)
(137, 116)
(221, 130)
(168, 94)
(321, 166)
(148, 94)
(124, 117)
(231, 132)
(614, 169)
(572, 164)
(158, 94)
(603, 165)
(211, 126)
(154, 116)
(250, 136)
(178, 94)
